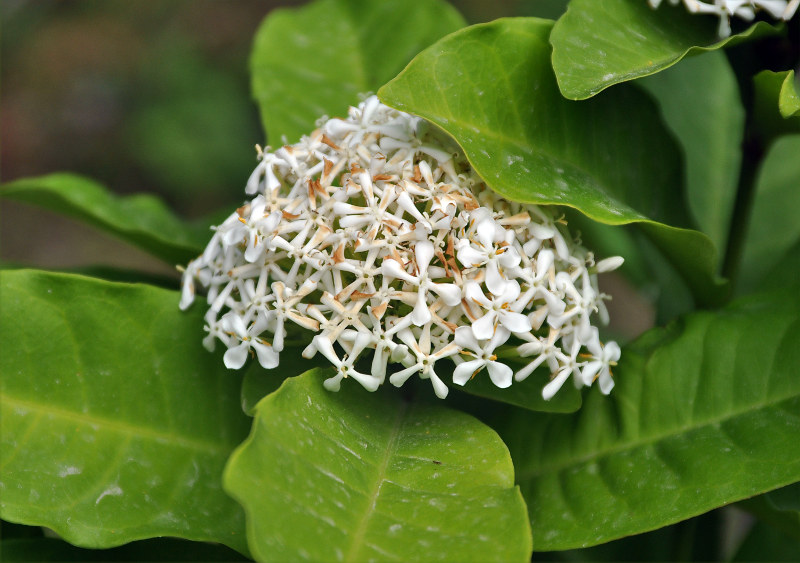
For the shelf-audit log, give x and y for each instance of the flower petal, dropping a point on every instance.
(483, 328)
(500, 374)
(466, 338)
(423, 252)
(552, 388)
(235, 357)
(515, 322)
(449, 292)
(421, 313)
(470, 257)
(464, 371)
(267, 356)
(495, 282)
(439, 386)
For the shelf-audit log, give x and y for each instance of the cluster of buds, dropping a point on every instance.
(375, 234)
(744, 9)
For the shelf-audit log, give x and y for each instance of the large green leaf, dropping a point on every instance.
(705, 412)
(709, 123)
(774, 227)
(598, 44)
(116, 426)
(491, 87)
(353, 476)
(315, 60)
(141, 220)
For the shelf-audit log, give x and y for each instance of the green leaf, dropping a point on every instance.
(107, 273)
(353, 476)
(599, 44)
(259, 382)
(684, 541)
(785, 272)
(491, 87)
(141, 220)
(776, 104)
(709, 123)
(116, 426)
(774, 227)
(705, 412)
(315, 60)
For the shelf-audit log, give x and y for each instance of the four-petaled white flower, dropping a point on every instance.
(499, 373)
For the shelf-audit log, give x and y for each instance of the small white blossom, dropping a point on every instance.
(375, 234)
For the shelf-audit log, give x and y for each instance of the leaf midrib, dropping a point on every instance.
(380, 478)
(121, 427)
(557, 468)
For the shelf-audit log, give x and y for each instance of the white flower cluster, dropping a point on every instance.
(375, 233)
(744, 9)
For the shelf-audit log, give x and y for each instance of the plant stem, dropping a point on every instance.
(753, 151)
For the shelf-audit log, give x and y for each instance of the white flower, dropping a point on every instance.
(344, 368)
(500, 309)
(424, 360)
(375, 234)
(499, 373)
(248, 338)
(604, 357)
(489, 248)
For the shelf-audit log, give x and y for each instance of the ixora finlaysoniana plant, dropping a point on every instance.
(423, 250)
(375, 233)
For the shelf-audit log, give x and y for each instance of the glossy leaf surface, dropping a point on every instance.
(116, 426)
(611, 157)
(316, 60)
(141, 220)
(708, 123)
(353, 476)
(774, 227)
(598, 44)
(705, 412)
